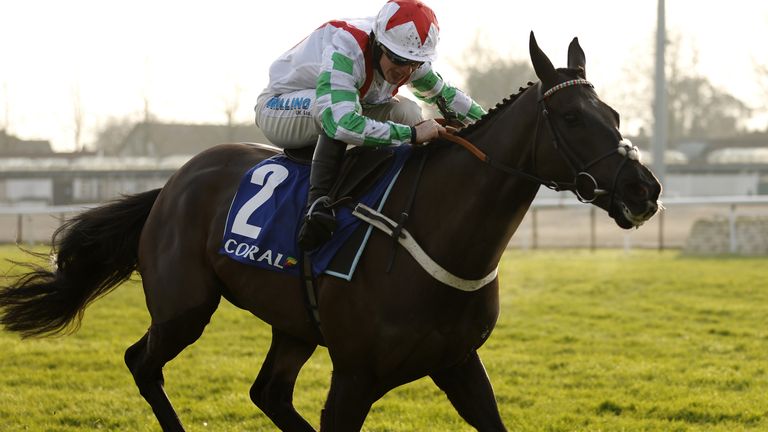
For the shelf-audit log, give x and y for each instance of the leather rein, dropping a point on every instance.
(625, 149)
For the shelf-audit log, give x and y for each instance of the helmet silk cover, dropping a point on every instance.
(409, 29)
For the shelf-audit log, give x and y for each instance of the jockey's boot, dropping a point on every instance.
(320, 220)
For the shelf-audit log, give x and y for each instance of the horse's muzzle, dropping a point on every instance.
(637, 199)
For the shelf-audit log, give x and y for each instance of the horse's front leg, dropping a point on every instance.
(469, 390)
(349, 401)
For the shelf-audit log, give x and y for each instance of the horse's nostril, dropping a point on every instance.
(638, 191)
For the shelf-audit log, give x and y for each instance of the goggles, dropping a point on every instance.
(399, 60)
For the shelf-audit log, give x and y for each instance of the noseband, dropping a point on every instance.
(584, 185)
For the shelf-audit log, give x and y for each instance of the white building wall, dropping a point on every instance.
(697, 185)
(86, 189)
(21, 190)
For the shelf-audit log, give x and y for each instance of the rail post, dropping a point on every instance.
(19, 226)
(592, 228)
(661, 230)
(734, 242)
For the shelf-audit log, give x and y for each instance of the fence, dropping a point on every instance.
(34, 224)
(560, 222)
(564, 222)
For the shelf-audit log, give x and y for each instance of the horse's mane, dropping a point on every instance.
(573, 73)
(493, 111)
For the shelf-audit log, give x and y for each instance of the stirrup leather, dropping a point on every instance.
(325, 202)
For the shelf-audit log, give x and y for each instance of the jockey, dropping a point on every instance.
(339, 87)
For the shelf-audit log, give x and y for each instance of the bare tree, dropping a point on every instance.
(148, 144)
(77, 110)
(489, 78)
(7, 114)
(112, 134)
(697, 108)
(231, 105)
(761, 71)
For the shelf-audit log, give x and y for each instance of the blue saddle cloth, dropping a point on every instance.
(266, 212)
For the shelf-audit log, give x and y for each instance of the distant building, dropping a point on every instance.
(168, 139)
(736, 165)
(11, 146)
(32, 174)
(703, 150)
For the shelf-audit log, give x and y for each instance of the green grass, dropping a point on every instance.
(603, 341)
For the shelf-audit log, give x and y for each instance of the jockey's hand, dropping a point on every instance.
(426, 131)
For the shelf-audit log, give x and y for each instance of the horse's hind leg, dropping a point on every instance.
(162, 342)
(273, 389)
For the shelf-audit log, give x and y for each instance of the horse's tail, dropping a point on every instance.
(94, 252)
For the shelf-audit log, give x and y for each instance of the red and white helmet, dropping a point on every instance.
(409, 29)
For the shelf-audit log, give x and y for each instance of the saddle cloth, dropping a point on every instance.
(266, 213)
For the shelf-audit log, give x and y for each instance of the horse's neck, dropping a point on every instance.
(474, 209)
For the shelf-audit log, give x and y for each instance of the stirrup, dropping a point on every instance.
(318, 225)
(325, 202)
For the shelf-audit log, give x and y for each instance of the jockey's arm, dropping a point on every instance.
(427, 85)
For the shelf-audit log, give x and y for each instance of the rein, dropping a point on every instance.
(625, 149)
(483, 157)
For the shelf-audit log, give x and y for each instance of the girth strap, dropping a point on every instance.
(404, 214)
(310, 293)
(386, 225)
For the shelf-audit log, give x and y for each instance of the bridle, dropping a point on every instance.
(584, 185)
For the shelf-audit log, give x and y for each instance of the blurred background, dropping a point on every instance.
(99, 99)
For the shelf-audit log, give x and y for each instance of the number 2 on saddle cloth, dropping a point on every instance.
(266, 212)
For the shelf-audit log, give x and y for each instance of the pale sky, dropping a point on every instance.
(190, 57)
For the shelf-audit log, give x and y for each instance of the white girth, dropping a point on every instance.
(428, 264)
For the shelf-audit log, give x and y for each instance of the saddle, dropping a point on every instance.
(361, 168)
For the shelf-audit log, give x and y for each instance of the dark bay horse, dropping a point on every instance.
(382, 329)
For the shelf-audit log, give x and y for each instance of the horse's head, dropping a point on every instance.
(579, 145)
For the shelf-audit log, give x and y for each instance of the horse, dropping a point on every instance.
(382, 329)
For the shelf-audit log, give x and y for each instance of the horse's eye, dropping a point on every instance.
(571, 119)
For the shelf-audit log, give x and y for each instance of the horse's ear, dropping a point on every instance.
(576, 58)
(541, 64)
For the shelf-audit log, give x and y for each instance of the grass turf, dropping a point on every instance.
(602, 341)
